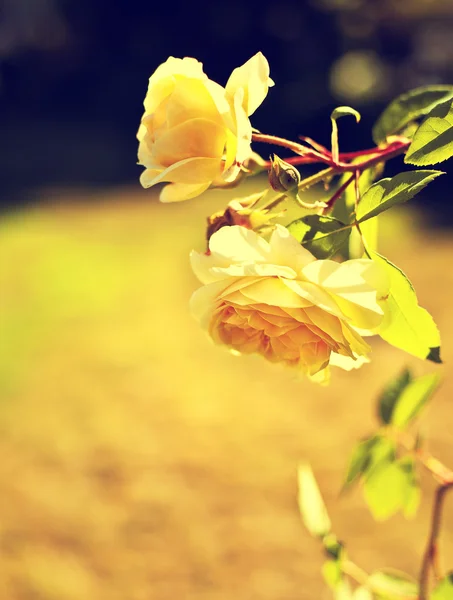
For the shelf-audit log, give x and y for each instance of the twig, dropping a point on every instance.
(430, 556)
(337, 194)
(355, 572)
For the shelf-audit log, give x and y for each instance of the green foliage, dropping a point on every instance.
(408, 107)
(407, 325)
(389, 480)
(413, 398)
(433, 140)
(322, 236)
(393, 585)
(391, 394)
(361, 459)
(387, 192)
(444, 589)
(332, 573)
(388, 488)
(311, 505)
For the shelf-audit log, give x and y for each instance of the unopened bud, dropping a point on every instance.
(283, 177)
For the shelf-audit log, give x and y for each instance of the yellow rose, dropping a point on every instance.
(275, 299)
(194, 133)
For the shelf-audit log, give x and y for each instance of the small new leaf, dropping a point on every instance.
(407, 325)
(433, 140)
(387, 192)
(344, 111)
(444, 589)
(392, 585)
(311, 505)
(322, 236)
(391, 394)
(360, 459)
(408, 107)
(332, 573)
(413, 398)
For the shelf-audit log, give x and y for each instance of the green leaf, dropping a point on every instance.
(390, 395)
(332, 573)
(413, 495)
(408, 107)
(322, 236)
(412, 501)
(393, 585)
(387, 192)
(433, 140)
(369, 232)
(383, 451)
(311, 505)
(360, 459)
(386, 489)
(444, 589)
(392, 486)
(412, 399)
(407, 325)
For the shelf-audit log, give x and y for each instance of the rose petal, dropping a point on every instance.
(191, 170)
(203, 301)
(274, 292)
(253, 78)
(286, 250)
(239, 245)
(346, 362)
(177, 192)
(197, 137)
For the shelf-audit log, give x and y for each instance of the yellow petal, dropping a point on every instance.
(346, 362)
(256, 270)
(286, 250)
(191, 99)
(314, 295)
(162, 80)
(177, 192)
(359, 281)
(191, 170)
(274, 292)
(195, 138)
(149, 175)
(321, 377)
(253, 78)
(239, 245)
(203, 301)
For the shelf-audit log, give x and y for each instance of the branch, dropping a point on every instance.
(337, 194)
(430, 555)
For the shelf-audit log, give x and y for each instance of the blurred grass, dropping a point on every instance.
(138, 460)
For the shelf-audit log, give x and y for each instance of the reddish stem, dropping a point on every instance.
(309, 156)
(338, 194)
(431, 552)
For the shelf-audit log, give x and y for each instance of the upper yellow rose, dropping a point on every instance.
(194, 133)
(275, 299)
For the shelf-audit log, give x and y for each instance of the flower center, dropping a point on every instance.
(280, 335)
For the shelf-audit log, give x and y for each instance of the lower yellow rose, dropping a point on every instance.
(275, 299)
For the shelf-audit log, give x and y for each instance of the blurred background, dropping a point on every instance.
(138, 461)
